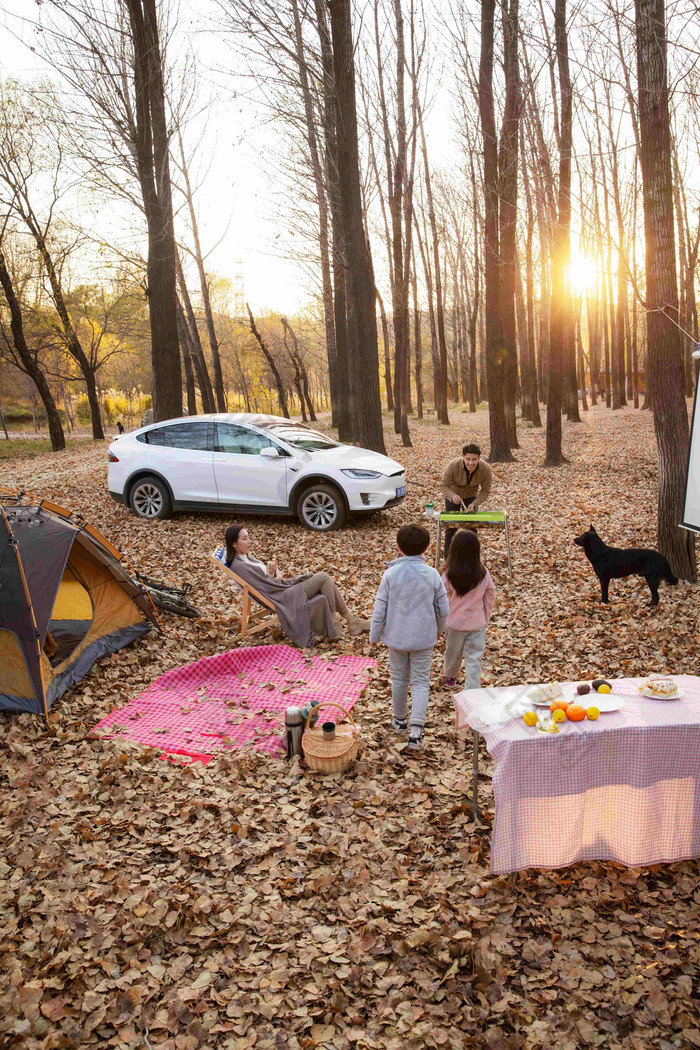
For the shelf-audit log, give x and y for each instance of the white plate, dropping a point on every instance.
(654, 696)
(540, 702)
(605, 702)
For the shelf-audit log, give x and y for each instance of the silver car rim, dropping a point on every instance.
(148, 501)
(319, 510)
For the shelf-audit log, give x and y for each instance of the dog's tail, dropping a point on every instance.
(668, 575)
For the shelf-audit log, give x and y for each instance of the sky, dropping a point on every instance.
(238, 206)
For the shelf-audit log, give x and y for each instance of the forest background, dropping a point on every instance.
(297, 207)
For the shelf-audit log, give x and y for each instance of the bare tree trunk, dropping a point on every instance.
(418, 344)
(185, 350)
(561, 249)
(362, 327)
(664, 344)
(500, 444)
(387, 356)
(508, 212)
(281, 394)
(195, 343)
(28, 362)
(300, 369)
(153, 164)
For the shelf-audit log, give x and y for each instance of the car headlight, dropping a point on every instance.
(353, 473)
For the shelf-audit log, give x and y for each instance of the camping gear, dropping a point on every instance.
(328, 730)
(623, 787)
(478, 517)
(294, 727)
(169, 599)
(429, 511)
(305, 713)
(337, 754)
(236, 699)
(66, 599)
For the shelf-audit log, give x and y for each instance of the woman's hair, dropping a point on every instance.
(464, 569)
(232, 534)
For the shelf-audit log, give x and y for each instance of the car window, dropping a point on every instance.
(195, 436)
(242, 442)
(302, 437)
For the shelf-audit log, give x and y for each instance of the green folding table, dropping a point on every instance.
(479, 517)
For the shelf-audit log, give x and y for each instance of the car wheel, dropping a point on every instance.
(321, 508)
(149, 498)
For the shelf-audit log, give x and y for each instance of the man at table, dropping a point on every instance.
(465, 484)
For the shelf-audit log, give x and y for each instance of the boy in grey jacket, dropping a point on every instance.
(410, 610)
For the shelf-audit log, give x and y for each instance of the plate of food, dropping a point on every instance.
(542, 695)
(661, 687)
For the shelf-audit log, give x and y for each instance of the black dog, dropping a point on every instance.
(611, 563)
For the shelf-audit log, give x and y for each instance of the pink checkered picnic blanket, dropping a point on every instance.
(236, 699)
(625, 787)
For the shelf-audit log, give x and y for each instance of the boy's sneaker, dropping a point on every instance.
(450, 683)
(415, 740)
(399, 725)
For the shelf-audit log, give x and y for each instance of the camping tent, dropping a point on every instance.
(66, 599)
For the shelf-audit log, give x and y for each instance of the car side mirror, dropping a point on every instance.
(270, 452)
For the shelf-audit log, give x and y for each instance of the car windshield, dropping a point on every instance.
(299, 437)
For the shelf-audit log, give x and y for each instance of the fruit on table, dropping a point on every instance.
(558, 705)
(583, 689)
(604, 688)
(599, 682)
(592, 713)
(575, 712)
(559, 715)
(530, 718)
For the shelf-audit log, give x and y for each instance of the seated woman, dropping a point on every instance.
(291, 598)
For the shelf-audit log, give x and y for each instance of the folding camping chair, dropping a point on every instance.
(249, 592)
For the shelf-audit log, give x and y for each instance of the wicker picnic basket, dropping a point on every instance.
(330, 756)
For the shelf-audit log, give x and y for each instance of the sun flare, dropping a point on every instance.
(583, 273)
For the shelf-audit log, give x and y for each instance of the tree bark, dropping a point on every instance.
(498, 431)
(153, 165)
(28, 362)
(664, 344)
(195, 343)
(362, 327)
(281, 393)
(387, 356)
(186, 351)
(508, 212)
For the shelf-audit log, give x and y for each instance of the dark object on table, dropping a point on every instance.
(583, 689)
(170, 599)
(612, 563)
(601, 681)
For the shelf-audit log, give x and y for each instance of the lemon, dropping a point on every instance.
(603, 688)
(593, 712)
(559, 715)
(530, 718)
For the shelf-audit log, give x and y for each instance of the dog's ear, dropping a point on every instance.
(592, 530)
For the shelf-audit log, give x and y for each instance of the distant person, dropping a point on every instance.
(148, 418)
(120, 427)
(465, 484)
(471, 594)
(410, 611)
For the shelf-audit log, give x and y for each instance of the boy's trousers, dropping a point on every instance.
(414, 667)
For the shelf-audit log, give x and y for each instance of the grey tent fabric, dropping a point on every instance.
(110, 643)
(44, 545)
(15, 609)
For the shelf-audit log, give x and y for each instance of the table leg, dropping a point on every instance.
(437, 544)
(505, 522)
(475, 775)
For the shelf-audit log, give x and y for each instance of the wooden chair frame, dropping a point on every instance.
(249, 618)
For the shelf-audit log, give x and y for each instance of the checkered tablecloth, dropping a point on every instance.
(235, 699)
(625, 787)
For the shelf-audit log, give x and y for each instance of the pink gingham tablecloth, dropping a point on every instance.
(625, 787)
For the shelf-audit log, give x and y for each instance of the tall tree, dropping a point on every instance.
(498, 431)
(363, 354)
(508, 210)
(665, 364)
(560, 324)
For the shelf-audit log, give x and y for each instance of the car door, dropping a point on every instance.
(183, 453)
(242, 475)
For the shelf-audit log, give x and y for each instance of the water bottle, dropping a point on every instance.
(429, 511)
(306, 711)
(294, 726)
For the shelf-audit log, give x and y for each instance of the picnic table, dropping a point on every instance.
(625, 787)
(476, 517)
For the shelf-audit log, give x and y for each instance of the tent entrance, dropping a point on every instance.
(71, 617)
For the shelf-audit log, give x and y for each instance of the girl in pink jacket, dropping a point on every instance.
(471, 595)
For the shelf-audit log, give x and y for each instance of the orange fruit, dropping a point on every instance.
(558, 705)
(559, 715)
(530, 718)
(575, 712)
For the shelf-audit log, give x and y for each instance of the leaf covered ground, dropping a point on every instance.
(252, 904)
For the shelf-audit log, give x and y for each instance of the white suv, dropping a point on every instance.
(252, 464)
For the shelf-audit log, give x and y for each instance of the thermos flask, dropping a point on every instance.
(294, 727)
